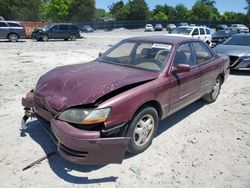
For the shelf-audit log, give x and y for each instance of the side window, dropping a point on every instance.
(55, 28)
(184, 55)
(2, 24)
(208, 31)
(202, 52)
(195, 32)
(202, 31)
(64, 27)
(11, 24)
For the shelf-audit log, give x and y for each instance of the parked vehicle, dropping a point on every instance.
(158, 27)
(171, 27)
(144, 80)
(238, 49)
(221, 35)
(222, 27)
(240, 28)
(87, 29)
(12, 30)
(202, 33)
(57, 31)
(149, 27)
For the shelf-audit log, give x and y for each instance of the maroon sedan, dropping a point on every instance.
(96, 111)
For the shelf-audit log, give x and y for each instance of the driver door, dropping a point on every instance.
(186, 85)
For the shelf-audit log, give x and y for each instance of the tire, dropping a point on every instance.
(13, 37)
(214, 93)
(72, 37)
(142, 130)
(45, 38)
(66, 39)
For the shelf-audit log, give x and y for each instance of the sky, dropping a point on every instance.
(222, 5)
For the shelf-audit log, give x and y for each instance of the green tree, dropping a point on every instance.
(169, 11)
(182, 12)
(57, 10)
(138, 10)
(119, 10)
(160, 15)
(210, 3)
(82, 10)
(21, 9)
(101, 13)
(248, 7)
(201, 11)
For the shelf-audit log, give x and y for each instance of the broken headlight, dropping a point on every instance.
(85, 116)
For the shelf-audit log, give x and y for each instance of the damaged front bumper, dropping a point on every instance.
(75, 145)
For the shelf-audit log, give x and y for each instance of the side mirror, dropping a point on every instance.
(100, 54)
(181, 68)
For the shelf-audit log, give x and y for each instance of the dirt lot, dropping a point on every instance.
(200, 146)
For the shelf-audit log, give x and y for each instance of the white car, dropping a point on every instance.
(200, 32)
(149, 27)
(240, 28)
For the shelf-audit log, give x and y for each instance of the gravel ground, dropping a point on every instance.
(199, 146)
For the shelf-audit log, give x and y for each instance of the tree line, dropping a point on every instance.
(85, 10)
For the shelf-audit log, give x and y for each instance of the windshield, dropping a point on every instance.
(182, 30)
(240, 40)
(47, 27)
(137, 54)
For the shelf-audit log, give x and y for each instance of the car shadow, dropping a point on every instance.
(61, 167)
(240, 72)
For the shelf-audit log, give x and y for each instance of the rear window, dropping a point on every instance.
(208, 31)
(2, 24)
(73, 27)
(11, 24)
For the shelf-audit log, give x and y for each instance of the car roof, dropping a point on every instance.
(162, 39)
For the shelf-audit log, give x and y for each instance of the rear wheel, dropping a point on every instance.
(13, 37)
(213, 95)
(72, 37)
(142, 130)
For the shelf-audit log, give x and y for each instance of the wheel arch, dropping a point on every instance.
(13, 33)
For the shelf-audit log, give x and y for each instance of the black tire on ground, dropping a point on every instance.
(13, 37)
(45, 38)
(66, 39)
(72, 37)
(142, 129)
(214, 93)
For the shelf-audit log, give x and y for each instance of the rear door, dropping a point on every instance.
(202, 34)
(64, 31)
(3, 30)
(186, 85)
(208, 65)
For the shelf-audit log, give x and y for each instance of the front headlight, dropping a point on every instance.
(85, 116)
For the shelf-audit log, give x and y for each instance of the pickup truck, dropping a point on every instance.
(97, 111)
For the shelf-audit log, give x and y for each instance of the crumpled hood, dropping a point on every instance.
(80, 84)
(233, 50)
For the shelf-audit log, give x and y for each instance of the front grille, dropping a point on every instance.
(234, 60)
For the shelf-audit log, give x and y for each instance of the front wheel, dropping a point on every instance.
(213, 95)
(142, 130)
(45, 38)
(13, 37)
